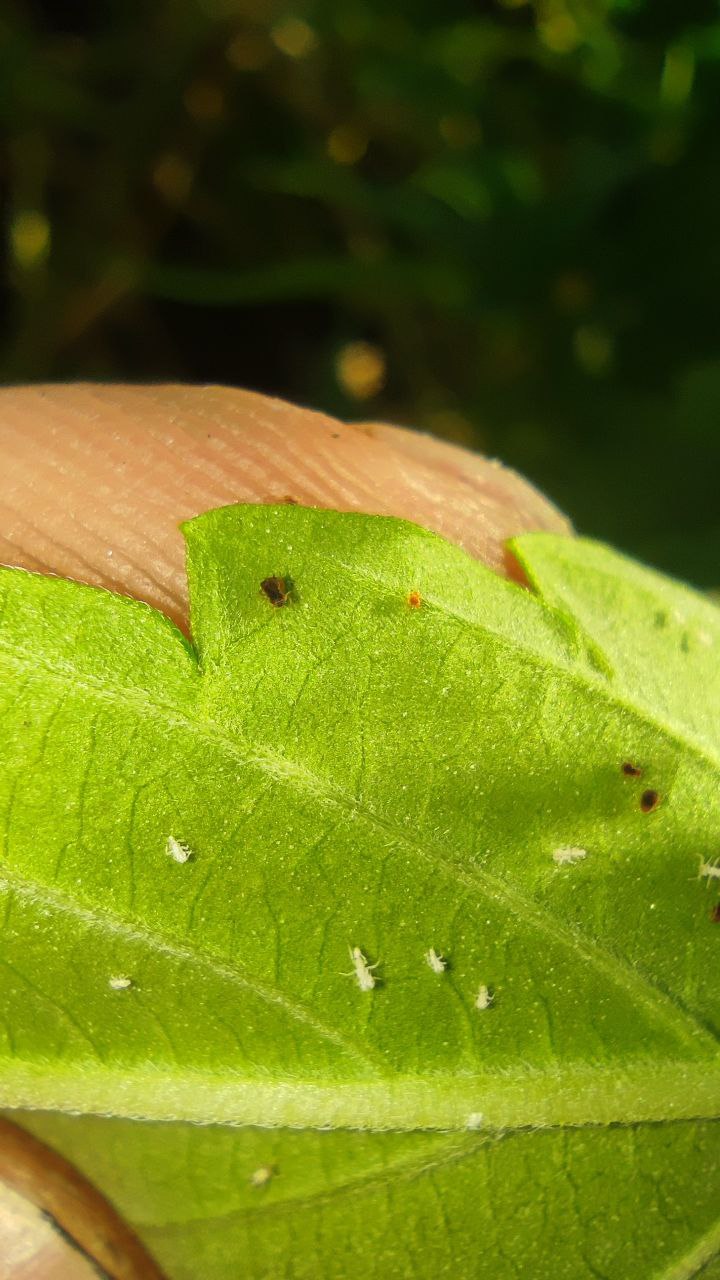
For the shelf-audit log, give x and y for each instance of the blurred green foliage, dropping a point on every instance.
(497, 221)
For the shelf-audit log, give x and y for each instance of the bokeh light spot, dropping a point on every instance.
(347, 144)
(30, 239)
(294, 37)
(361, 369)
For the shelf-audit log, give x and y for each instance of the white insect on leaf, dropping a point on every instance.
(567, 854)
(262, 1175)
(484, 998)
(709, 871)
(437, 963)
(120, 982)
(475, 1120)
(361, 970)
(178, 850)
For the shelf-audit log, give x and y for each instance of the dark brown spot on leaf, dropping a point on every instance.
(631, 770)
(715, 913)
(291, 501)
(649, 800)
(276, 590)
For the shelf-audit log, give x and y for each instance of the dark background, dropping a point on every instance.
(496, 221)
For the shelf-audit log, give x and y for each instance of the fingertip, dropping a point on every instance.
(98, 481)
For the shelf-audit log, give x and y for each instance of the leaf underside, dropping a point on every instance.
(636, 1202)
(389, 751)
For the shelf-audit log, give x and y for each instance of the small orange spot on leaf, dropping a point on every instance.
(414, 599)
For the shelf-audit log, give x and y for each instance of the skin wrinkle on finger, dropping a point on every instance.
(464, 469)
(187, 488)
(321, 471)
(340, 465)
(49, 550)
(190, 483)
(59, 514)
(447, 457)
(428, 487)
(346, 473)
(155, 474)
(95, 468)
(431, 485)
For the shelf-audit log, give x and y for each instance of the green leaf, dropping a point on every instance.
(353, 770)
(557, 1204)
(402, 753)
